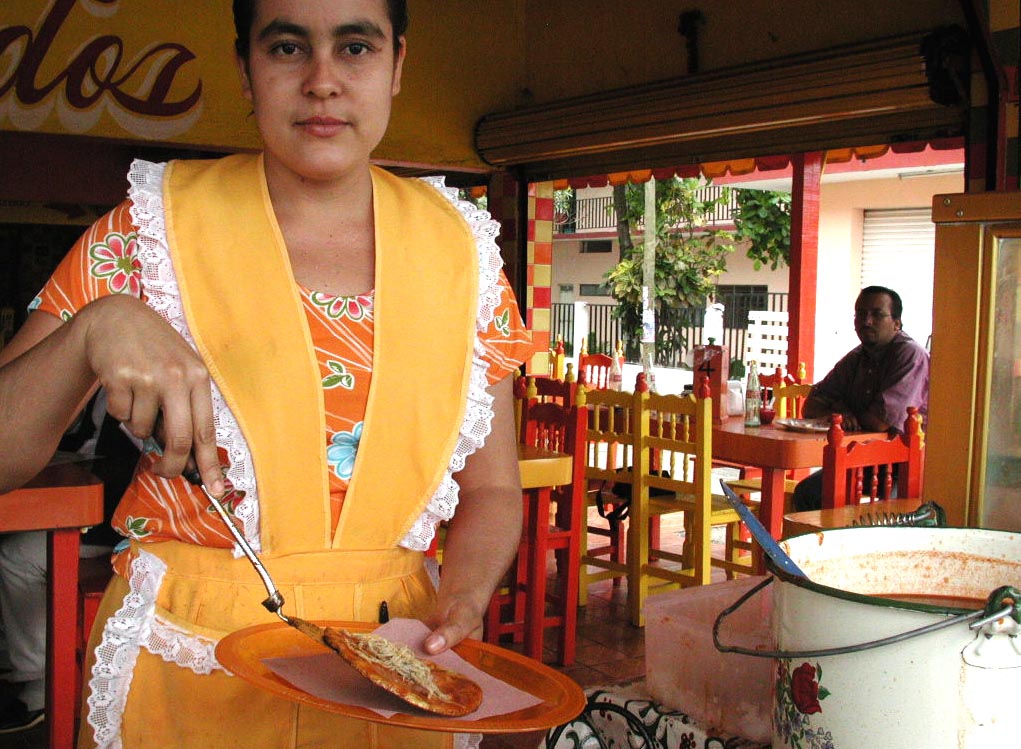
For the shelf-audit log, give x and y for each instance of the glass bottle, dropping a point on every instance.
(616, 378)
(752, 397)
(648, 362)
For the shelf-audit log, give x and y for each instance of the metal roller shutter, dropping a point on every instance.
(898, 247)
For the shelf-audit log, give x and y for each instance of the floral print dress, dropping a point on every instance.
(104, 261)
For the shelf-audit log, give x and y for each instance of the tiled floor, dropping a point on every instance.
(609, 650)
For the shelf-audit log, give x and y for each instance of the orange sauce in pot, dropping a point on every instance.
(949, 602)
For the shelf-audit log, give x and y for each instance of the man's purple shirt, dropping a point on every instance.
(884, 382)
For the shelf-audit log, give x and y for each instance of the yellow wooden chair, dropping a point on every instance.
(609, 451)
(789, 402)
(673, 454)
(557, 361)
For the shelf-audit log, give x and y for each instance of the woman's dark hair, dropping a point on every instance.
(244, 16)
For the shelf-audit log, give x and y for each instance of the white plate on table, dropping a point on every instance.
(804, 425)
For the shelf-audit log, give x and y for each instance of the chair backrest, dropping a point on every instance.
(790, 400)
(844, 464)
(558, 427)
(557, 360)
(594, 370)
(610, 434)
(531, 390)
(766, 339)
(678, 430)
(769, 382)
(778, 377)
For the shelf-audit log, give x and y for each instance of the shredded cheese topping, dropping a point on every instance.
(401, 660)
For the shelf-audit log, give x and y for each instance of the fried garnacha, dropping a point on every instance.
(398, 670)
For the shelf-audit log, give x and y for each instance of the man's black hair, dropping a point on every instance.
(896, 305)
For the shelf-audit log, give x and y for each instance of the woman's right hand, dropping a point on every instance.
(151, 373)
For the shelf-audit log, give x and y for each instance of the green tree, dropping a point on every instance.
(689, 256)
(763, 217)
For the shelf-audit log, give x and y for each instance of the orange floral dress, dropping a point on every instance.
(104, 261)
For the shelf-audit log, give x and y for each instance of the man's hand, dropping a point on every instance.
(850, 422)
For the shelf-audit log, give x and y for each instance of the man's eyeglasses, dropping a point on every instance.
(875, 314)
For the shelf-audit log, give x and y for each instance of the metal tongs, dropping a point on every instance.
(275, 602)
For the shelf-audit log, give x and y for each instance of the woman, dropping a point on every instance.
(285, 296)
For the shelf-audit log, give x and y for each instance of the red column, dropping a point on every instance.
(804, 267)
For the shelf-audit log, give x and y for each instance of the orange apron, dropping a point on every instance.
(251, 332)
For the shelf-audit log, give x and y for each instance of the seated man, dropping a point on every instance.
(873, 385)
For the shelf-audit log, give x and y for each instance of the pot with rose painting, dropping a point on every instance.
(905, 637)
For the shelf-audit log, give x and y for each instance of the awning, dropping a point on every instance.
(747, 117)
(741, 167)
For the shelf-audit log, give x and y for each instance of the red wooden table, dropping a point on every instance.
(62, 500)
(775, 450)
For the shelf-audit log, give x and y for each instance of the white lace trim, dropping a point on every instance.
(134, 626)
(478, 417)
(160, 284)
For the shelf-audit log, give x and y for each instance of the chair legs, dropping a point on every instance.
(610, 557)
(520, 608)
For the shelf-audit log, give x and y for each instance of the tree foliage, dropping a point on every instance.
(563, 203)
(764, 218)
(689, 256)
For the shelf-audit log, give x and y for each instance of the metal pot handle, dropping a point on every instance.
(995, 609)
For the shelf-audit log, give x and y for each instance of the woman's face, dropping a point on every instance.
(321, 76)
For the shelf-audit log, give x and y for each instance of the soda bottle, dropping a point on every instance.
(752, 397)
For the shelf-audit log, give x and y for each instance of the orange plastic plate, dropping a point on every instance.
(243, 652)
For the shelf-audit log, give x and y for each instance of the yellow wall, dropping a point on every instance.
(841, 217)
(135, 28)
(466, 58)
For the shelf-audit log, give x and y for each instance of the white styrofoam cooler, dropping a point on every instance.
(723, 692)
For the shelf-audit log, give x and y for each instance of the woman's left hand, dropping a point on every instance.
(449, 627)
(484, 533)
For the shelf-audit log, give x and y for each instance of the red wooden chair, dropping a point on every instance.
(594, 370)
(533, 389)
(844, 464)
(520, 607)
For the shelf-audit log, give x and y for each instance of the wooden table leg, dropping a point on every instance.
(774, 487)
(538, 531)
(61, 632)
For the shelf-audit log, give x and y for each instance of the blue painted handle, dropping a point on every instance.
(759, 532)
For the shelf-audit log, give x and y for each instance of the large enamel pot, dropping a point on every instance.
(857, 668)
